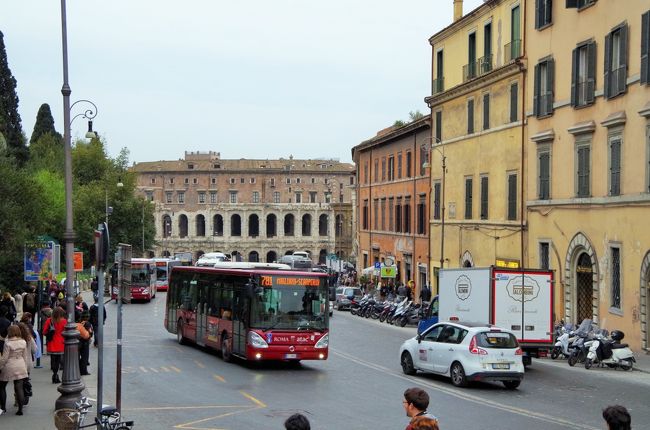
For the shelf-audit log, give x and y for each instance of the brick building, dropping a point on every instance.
(257, 210)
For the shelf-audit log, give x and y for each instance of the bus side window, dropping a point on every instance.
(213, 300)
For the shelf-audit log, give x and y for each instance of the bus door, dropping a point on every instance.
(201, 319)
(189, 305)
(240, 321)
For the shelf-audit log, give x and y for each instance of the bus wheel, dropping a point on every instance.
(225, 350)
(179, 333)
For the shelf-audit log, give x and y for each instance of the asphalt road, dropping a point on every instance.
(360, 386)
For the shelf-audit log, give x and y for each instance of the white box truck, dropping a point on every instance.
(520, 300)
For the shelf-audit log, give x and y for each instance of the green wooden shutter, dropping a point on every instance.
(470, 116)
(622, 75)
(608, 66)
(571, 3)
(536, 91)
(486, 111)
(550, 80)
(645, 47)
(484, 197)
(538, 13)
(548, 12)
(512, 197)
(615, 168)
(574, 77)
(514, 90)
(468, 198)
(591, 73)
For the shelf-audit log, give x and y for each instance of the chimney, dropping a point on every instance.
(458, 10)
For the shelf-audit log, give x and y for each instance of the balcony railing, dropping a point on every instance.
(437, 86)
(485, 64)
(469, 71)
(512, 50)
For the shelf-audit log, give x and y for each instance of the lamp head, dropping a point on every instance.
(90, 134)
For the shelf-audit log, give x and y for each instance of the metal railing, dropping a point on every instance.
(469, 71)
(512, 50)
(437, 86)
(485, 64)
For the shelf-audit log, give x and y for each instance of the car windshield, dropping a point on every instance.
(496, 339)
(354, 291)
(293, 308)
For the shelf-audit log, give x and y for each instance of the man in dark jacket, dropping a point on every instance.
(425, 293)
(94, 317)
(4, 326)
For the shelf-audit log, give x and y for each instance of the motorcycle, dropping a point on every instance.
(579, 348)
(565, 335)
(389, 308)
(401, 309)
(412, 315)
(610, 352)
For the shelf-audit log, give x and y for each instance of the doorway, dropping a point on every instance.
(584, 288)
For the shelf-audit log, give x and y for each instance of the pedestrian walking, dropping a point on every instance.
(9, 303)
(29, 300)
(297, 422)
(13, 368)
(425, 293)
(416, 402)
(28, 319)
(617, 418)
(54, 338)
(94, 317)
(18, 303)
(28, 337)
(85, 333)
(79, 307)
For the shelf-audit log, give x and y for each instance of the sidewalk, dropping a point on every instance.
(642, 361)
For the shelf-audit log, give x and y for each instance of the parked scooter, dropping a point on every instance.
(565, 335)
(579, 348)
(610, 352)
(411, 316)
(402, 307)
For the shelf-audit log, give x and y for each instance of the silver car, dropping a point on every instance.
(343, 297)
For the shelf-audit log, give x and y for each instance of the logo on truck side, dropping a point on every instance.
(527, 290)
(463, 287)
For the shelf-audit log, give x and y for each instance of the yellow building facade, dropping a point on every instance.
(588, 159)
(478, 77)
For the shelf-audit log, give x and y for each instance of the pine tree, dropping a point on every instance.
(9, 116)
(44, 124)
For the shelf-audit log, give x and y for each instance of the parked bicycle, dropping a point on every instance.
(110, 417)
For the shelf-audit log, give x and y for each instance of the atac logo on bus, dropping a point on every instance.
(463, 287)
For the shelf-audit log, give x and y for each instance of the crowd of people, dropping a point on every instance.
(21, 346)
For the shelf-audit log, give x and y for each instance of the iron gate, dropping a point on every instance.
(584, 289)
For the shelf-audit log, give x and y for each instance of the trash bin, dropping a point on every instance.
(66, 419)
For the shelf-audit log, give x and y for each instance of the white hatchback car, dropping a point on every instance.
(465, 352)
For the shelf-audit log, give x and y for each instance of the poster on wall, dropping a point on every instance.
(38, 261)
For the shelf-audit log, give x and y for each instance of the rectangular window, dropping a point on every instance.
(276, 196)
(171, 180)
(272, 182)
(583, 76)
(579, 4)
(153, 180)
(615, 166)
(383, 168)
(256, 197)
(544, 177)
(195, 181)
(408, 163)
(383, 214)
(470, 116)
(181, 197)
(543, 88)
(391, 168)
(364, 219)
(187, 181)
(298, 180)
(213, 181)
(422, 215)
(298, 197)
(168, 196)
(376, 170)
(468, 198)
(390, 214)
(512, 197)
(485, 63)
(544, 256)
(232, 181)
(543, 13)
(513, 49)
(398, 215)
(484, 197)
(486, 111)
(365, 173)
(616, 278)
(213, 197)
(436, 200)
(407, 215)
(252, 180)
(328, 197)
(233, 196)
(470, 68)
(438, 126)
(375, 211)
(645, 48)
(149, 195)
(583, 154)
(312, 197)
(399, 165)
(201, 197)
(288, 181)
(514, 99)
(424, 157)
(615, 81)
(242, 180)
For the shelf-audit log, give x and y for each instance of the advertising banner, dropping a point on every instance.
(38, 261)
(78, 261)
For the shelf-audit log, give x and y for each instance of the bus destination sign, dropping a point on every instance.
(286, 281)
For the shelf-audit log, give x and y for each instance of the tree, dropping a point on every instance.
(399, 123)
(44, 125)
(414, 116)
(10, 125)
(47, 153)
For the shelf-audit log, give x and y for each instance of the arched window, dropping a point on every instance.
(198, 254)
(322, 255)
(271, 256)
(253, 257)
(200, 225)
(182, 226)
(271, 225)
(322, 225)
(217, 225)
(235, 225)
(253, 226)
(166, 226)
(288, 225)
(306, 225)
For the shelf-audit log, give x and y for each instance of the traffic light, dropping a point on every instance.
(102, 246)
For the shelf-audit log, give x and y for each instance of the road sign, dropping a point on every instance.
(377, 265)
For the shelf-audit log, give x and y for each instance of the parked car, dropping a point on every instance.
(465, 352)
(343, 294)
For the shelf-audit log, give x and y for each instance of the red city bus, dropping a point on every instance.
(163, 268)
(250, 312)
(143, 279)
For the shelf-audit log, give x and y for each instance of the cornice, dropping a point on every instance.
(490, 78)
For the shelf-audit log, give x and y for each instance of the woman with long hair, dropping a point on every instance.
(14, 363)
(55, 342)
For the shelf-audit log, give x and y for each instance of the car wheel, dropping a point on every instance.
(511, 385)
(458, 377)
(407, 363)
(225, 350)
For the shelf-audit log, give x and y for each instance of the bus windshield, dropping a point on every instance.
(161, 272)
(140, 274)
(293, 308)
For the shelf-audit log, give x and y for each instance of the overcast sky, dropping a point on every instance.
(253, 79)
